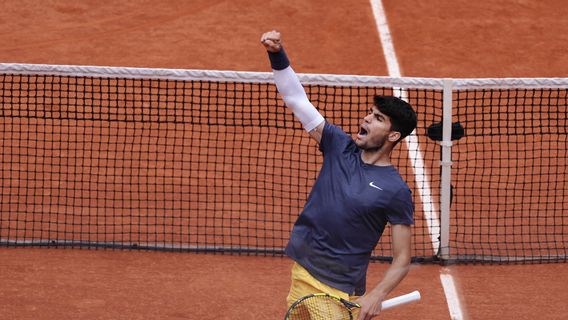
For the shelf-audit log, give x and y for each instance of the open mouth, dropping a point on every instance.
(362, 133)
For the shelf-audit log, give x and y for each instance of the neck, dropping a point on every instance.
(378, 157)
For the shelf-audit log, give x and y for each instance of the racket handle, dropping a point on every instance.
(400, 300)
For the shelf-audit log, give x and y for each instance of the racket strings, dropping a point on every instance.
(320, 308)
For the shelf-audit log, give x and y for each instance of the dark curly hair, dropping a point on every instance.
(402, 116)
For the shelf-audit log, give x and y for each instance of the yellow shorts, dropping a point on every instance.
(304, 284)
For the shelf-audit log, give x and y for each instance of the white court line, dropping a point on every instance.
(452, 296)
(415, 156)
(417, 160)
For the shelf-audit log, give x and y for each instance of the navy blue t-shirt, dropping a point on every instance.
(346, 213)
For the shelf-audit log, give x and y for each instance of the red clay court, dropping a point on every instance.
(437, 39)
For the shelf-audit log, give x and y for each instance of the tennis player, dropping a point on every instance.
(358, 191)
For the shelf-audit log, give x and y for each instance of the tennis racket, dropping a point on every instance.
(324, 306)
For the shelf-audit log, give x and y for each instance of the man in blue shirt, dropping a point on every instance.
(357, 192)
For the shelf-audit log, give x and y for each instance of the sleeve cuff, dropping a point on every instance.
(279, 60)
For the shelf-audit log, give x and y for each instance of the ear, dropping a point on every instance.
(394, 136)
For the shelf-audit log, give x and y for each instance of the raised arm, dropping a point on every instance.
(290, 87)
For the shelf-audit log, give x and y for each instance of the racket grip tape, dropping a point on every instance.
(400, 300)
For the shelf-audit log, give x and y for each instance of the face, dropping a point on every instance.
(375, 131)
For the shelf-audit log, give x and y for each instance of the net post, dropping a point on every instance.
(446, 167)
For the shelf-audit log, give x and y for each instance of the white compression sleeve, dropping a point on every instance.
(296, 99)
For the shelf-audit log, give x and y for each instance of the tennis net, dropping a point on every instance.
(211, 161)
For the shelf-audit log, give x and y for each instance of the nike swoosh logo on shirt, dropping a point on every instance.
(372, 184)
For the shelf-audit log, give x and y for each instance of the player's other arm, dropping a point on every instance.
(290, 87)
(401, 241)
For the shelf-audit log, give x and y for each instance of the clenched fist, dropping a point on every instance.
(271, 41)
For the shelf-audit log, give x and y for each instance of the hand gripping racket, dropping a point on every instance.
(323, 306)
